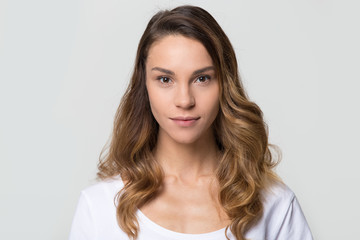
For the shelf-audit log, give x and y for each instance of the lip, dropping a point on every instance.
(185, 121)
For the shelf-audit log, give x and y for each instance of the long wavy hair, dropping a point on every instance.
(246, 163)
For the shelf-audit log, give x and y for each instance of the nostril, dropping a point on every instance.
(185, 101)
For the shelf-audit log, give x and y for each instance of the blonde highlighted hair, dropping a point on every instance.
(241, 133)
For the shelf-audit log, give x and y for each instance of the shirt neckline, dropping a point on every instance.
(147, 222)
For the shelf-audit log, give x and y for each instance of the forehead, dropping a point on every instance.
(174, 51)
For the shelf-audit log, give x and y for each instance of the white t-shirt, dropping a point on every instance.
(95, 218)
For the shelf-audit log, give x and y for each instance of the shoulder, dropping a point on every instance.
(95, 215)
(104, 189)
(282, 215)
(277, 195)
(277, 199)
(100, 198)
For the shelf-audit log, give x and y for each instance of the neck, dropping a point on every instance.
(187, 162)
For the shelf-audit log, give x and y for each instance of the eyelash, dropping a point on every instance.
(161, 79)
(206, 77)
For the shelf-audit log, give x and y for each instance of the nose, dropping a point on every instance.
(184, 97)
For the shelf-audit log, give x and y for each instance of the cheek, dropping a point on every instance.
(157, 103)
(210, 101)
(214, 109)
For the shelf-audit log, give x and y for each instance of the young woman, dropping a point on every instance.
(189, 156)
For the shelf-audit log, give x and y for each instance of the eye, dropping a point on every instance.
(203, 79)
(164, 80)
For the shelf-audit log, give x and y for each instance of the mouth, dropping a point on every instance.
(185, 118)
(185, 121)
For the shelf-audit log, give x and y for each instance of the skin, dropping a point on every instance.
(184, 98)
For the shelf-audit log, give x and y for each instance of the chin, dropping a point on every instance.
(185, 139)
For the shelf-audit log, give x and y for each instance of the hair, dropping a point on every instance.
(246, 163)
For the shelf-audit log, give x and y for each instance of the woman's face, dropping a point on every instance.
(182, 87)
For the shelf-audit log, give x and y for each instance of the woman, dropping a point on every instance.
(189, 156)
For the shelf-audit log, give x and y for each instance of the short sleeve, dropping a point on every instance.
(83, 227)
(294, 225)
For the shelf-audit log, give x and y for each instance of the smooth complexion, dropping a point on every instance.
(184, 98)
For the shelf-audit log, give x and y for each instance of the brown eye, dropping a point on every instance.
(203, 78)
(164, 80)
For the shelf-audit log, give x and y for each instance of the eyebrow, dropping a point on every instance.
(172, 73)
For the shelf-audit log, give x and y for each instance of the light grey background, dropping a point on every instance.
(65, 64)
